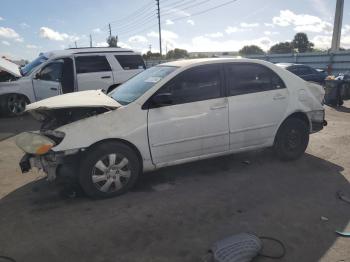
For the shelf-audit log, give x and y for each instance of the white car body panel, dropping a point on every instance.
(187, 132)
(9, 67)
(90, 98)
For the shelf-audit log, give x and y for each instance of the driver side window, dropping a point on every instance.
(51, 72)
(195, 84)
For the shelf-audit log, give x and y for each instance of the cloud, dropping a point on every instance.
(97, 30)
(31, 46)
(166, 34)
(322, 41)
(175, 11)
(124, 45)
(206, 44)
(190, 21)
(51, 34)
(270, 33)
(269, 25)
(169, 22)
(19, 40)
(8, 32)
(137, 39)
(302, 22)
(215, 35)
(234, 29)
(2, 19)
(102, 44)
(24, 25)
(247, 25)
(5, 42)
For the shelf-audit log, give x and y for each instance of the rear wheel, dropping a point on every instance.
(13, 104)
(108, 170)
(292, 139)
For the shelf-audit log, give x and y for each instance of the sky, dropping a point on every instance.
(30, 27)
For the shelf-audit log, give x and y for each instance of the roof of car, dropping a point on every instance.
(87, 50)
(284, 65)
(188, 62)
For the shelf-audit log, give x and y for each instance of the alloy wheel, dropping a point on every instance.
(111, 173)
(16, 104)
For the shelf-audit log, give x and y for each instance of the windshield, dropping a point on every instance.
(139, 84)
(27, 69)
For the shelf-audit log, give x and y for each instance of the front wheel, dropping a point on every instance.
(292, 139)
(108, 170)
(13, 104)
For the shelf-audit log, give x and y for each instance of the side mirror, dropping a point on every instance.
(162, 99)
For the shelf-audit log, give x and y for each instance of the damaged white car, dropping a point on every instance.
(170, 114)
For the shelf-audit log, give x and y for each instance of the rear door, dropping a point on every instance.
(93, 72)
(128, 65)
(257, 104)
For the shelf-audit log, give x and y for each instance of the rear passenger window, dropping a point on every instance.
(196, 84)
(303, 70)
(251, 78)
(129, 62)
(91, 64)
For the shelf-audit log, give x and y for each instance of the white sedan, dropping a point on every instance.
(170, 114)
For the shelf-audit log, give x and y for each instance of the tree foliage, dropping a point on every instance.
(281, 48)
(302, 43)
(177, 53)
(150, 55)
(251, 50)
(112, 41)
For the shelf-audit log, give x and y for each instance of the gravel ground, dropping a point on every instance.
(176, 213)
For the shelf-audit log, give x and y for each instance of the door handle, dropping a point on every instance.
(54, 88)
(278, 97)
(105, 77)
(218, 107)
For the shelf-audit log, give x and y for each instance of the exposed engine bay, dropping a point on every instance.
(54, 118)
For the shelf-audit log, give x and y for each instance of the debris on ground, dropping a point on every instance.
(324, 218)
(247, 162)
(343, 234)
(342, 196)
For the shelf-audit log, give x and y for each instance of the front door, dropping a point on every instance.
(47, 82)
(197, 121)
(258, 101)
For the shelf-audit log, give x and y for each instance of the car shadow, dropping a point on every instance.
(11, 126)
(342, 109)
(177, 213)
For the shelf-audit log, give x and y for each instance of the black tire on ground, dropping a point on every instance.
(13, 104)
(292, 139)
(102, 152)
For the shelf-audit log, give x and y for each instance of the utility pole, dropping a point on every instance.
(90, 40)
(150, 48)
(116, 38)
(110, 30)
(160, 33)
(75, 43)
(337, 25)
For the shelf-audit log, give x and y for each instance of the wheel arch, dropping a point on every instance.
(299, 115)
(123, 141)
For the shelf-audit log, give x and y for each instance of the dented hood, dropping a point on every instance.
(9, 67)
(83, 99)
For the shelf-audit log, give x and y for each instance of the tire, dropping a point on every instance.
(109, 169)
(292, 139)
(13, 104)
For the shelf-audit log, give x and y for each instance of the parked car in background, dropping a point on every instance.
(169, 114)
(306, 72)
(66, 71)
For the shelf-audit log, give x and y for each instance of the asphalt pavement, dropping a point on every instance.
(10, 126)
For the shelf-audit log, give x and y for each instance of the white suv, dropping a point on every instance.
(66, 71)
(170, 114)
